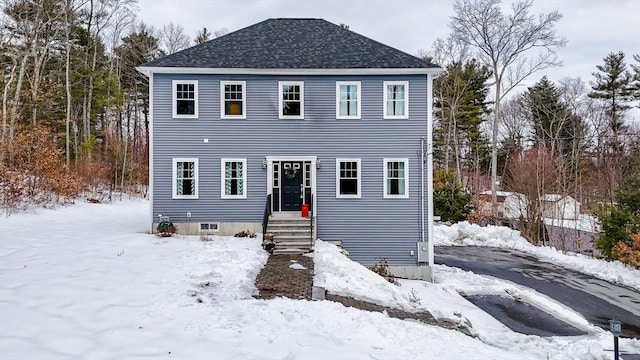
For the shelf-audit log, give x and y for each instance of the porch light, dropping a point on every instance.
(264, 163)
(317, 164)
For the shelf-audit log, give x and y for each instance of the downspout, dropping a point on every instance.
(422, 191)
(429, 149)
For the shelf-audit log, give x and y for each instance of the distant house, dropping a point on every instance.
(577, 235)
(292, 117)
(567, 228)
(510, 205)
(558, 206)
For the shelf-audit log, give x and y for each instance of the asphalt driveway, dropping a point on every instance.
(597, 300)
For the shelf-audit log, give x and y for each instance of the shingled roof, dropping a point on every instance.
(292, 44)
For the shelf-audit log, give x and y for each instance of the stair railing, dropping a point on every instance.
(265, 216)
(311, 216)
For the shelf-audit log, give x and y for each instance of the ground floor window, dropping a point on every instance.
(185, 178)
(234, 178)
(396, 176)
(348, 178)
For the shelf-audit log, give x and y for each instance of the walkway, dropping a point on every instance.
(291, 276)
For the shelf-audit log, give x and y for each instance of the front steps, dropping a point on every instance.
(291, 234)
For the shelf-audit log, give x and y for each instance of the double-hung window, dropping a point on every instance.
(185, 98)
(348, 178)
(185, 178)
(348, 100)
(234, 178)
(233, 102)
(396, 99)
(291, 95)
(396, 178)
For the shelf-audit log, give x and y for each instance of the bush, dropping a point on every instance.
(629, 254)
(32, 172)
(450, 201)
(382, 269)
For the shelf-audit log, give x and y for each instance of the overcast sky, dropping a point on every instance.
(593, 28)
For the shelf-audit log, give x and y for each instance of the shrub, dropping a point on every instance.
(32, 172)
(629, 254)
(382, 269)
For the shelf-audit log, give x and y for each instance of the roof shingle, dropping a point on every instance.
(292, 44)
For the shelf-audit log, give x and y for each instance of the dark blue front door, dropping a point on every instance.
(291, 179)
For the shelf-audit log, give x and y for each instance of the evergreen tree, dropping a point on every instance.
(622, 220)
(612, 85)
(450, 201)
(460, 106)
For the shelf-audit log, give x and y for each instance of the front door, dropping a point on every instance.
(291, 176)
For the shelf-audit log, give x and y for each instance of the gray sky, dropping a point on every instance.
(593, 28)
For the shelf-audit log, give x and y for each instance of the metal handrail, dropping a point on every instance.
(311, 214)
(265, 216)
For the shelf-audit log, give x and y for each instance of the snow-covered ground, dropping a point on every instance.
(87, 282)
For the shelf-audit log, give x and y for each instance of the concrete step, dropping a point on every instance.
(289, 251)
(276, 229)
(289, 238)
(289, 221)
(290, 232)
(293, 243)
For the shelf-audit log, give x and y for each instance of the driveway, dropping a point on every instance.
(597, 300)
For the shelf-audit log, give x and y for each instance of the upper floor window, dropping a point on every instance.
(348, 175)
(185, 98)
(347, 100)
(185, 178)
(291, 99)
(396, 99)
(233, 100)
(234, 178)
(396, 178)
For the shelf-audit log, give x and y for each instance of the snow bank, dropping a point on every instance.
(341, 276)
(466, 234)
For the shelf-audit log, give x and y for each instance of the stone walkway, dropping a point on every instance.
(278, 277)
(291, 276)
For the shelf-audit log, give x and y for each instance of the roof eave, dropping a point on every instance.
(148, 70)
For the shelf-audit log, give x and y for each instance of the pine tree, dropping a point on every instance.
(460, 107)
(622, 220)
(612, 85)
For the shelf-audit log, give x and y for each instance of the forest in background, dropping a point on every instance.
(75, 112)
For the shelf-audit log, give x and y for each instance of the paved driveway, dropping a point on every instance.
(597, 300)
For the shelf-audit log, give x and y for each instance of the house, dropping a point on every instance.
(510, 205)
(296, 113)
(558, 206)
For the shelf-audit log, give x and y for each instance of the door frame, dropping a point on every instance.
(314, 165)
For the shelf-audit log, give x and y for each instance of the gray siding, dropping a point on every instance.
(370, 227)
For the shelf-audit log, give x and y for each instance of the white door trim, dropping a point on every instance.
(314, 166)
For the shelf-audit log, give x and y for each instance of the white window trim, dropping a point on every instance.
(406, 98)
(244, 100)
(223, 179)
(288, 83)
(359, 190)
(174, 178)
(174, 96)
(359, 100)
(385, 161)
(209, 231)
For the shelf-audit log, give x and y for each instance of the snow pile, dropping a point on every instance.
(466, 234)
(341, 276)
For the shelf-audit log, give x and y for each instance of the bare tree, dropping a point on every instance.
(173, 38)
(501, 42)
